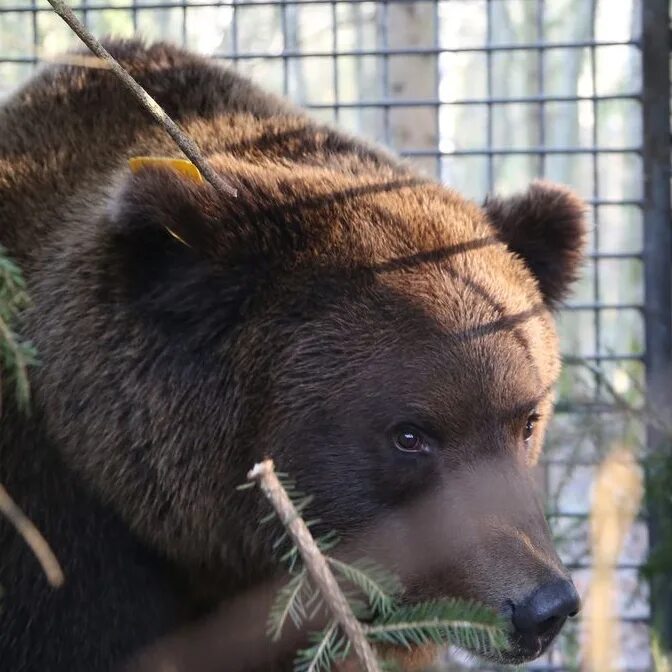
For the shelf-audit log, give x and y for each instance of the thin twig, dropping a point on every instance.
(315, 563)
(38, 544)
(183, 141)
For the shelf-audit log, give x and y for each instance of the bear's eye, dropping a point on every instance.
(529, 426)
(409, 439)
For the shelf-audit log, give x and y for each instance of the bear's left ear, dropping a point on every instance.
(546, 227)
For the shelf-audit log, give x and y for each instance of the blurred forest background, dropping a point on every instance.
(485, 95)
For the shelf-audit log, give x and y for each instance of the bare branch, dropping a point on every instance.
(315, 563)
(183, 141)
(38, 544)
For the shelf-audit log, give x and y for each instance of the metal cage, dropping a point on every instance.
(486, 95)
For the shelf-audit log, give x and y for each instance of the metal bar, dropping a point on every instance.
(234, 29)
(334, 62)
(396, 51)
(358, 19)
(587, 408)
(435, 102)
(184, 25)
(385, 52)
(596, 305)
(597, 319)
(433, 51)
(574, 360)
(578, 516)
(557, 462)
(540, 85)
(624, 566)
(615, 255)
(633, 202)
(437, 79)
(489, 84)
(524, 151)
(34, 25)
(285, 51)
(657, 278)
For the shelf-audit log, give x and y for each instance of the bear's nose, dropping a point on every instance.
(546, 609)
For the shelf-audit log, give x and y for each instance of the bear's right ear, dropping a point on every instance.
(167, 246)
(158, 199)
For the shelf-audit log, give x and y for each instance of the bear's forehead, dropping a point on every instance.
(446, 341)
(471, 349)
(430, 291)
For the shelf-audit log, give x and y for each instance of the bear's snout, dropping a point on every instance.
(538, 618)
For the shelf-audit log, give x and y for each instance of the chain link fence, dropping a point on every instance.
(485, 95)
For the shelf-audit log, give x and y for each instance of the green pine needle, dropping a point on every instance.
(466, 625)
(327, 541)
(16, 355)
(379, 586)
(289, 604)
(329, 646)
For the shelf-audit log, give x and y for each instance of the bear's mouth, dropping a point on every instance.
(419, 658)
(521, 649)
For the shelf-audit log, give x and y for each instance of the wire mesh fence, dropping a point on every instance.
(485, 95)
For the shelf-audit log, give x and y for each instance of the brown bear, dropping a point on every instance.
(384, 340)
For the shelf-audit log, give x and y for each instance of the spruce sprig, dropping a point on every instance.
(16, 354)
(290, 603)
(378, 586)
(328, 647)
(372, 596)
(467, 625)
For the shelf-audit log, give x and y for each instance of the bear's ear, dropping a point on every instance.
(168, 247)
(160, 201)
(546, 227)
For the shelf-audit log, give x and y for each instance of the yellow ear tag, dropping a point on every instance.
(183, 166)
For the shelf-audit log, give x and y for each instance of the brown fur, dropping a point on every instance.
(338, 295)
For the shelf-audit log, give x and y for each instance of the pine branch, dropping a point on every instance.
(455, 622)
(315, 563)
(378, 585)
(329, 646)
(182, 140)
(288, 604)
(15, 357)
(463, 624)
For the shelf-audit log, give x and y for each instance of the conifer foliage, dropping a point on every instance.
(16, 355)
(372, 595)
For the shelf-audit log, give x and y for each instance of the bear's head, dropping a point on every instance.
(388, 343)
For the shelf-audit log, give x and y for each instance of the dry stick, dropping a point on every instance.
(183, 141)
(33, 538)
(315, 562)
